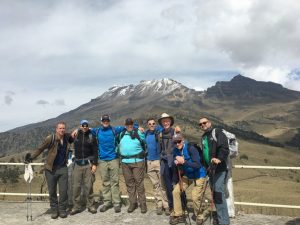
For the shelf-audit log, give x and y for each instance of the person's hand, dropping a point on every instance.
(180, 159)
(215, 161)
(141, 129)
(74, 133)
(177, 129)
(94, 168)
(176, 162)
(28, 158)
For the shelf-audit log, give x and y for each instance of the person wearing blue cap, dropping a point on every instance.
(86, 160)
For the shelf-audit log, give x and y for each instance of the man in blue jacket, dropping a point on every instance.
(188, 169)
(153, 167)
(109, 163)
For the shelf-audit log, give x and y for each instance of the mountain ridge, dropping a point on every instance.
(151, 98)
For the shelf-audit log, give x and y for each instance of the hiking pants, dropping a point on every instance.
(58, 176)
(167, 175)
(134, 179)
(109, 172)
(217, 184)
(197, 191)
(82, 184)
(156, 180)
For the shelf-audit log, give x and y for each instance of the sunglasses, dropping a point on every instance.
(85, 126)
(151, 124)
(104, 121)
(177, 142)
(203, 123)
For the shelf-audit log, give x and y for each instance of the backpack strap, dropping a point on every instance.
(97, 133)
(213, 133)
(51, 142)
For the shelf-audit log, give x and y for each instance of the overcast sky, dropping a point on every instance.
(56, 55)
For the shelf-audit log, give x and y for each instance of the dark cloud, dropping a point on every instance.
(42, 102)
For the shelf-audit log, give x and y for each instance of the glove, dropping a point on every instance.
(28, 158)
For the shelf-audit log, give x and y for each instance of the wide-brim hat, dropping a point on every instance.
(165, 115)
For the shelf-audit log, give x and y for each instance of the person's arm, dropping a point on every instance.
(222, 145)
(95, 155)
(29, 157)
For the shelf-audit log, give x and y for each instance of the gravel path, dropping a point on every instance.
(15, 214)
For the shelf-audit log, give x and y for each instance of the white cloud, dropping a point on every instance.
(61, 49)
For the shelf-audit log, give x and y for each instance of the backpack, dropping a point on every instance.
(232, 142)
(198, 147)
(134, 134)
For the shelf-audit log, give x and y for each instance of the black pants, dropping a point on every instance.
(58, 176)
(167, 175)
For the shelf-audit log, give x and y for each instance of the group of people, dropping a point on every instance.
(161, 151)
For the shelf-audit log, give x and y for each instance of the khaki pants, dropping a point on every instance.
(158, 189)
(82, 178)
(134, 179)
(109, 171)
(197, 191)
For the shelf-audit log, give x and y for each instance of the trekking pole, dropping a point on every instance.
(27, 198)
(212, 174)
(30, 201)
(203, 194)
(183, 196)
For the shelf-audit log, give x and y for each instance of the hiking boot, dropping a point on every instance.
(143, 208)
(177, 219)
(159, 211)
(74, 211)
(117, 209)
(105, 208)
(199, 221)
(168, 211)
(63, 214)
(132, 207)
(92, 210)
(54, 214)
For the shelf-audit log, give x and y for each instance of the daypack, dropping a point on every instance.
(197, 146)
(232, 142)
(134, 134)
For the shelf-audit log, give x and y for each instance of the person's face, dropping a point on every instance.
(179, 144)
(129, 127)
(151, 125)
(105, 123)
(60, 129)
(204, 124)
(166, 122)
(84, 127)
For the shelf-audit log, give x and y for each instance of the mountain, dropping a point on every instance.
(248, 91)
(252, 121)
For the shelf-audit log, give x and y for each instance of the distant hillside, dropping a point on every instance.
(248, 91)
(249, 121)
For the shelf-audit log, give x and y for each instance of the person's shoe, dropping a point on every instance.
(117, 209)
(168, 211)
(199, 221)
(143, 208)
(105, 208)
(159, 211)
(74, 211)
(63, 214)
(132, 207)
(177, 219)
(92, 210)
(54, 214)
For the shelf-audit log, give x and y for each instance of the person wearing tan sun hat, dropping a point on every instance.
(167, 146)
